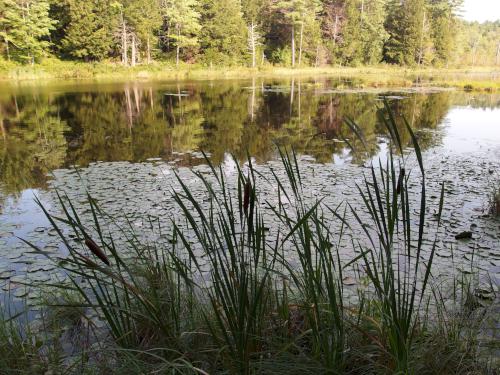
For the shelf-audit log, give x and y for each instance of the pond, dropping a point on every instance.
(123, 141)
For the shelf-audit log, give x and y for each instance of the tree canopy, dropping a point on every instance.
(247, 32)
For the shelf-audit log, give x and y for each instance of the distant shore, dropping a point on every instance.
(485, 79)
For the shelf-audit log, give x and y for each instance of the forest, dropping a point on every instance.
(249, 33)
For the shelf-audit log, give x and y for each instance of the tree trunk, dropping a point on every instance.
(300, 44)
(137, 100)
(252, 43)
(124, 43)
(16, 106)
(335, 28)
(498, 54)
(293, 46)
(180, 101)
(252, 101)
(317, 56)
(300, 95)
(2, 129)
(178, 48)
(149, 50)
(7, 46)
(421, 56)
(133, 57)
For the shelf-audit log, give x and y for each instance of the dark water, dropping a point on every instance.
(45, 128)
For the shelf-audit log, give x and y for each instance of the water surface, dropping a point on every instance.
(126, 139)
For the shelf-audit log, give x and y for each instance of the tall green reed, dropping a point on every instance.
(395, 260)
(245, 296)
(317, 280)
(231, 239)
(133, 286)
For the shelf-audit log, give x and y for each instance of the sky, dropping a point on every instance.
(481, 10)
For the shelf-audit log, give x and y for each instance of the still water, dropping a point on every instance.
(119, 135)
(42, 129)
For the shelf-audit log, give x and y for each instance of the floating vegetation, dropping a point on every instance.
(246, 280)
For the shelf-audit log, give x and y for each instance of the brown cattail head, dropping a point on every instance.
(246, 196)
(96, 250)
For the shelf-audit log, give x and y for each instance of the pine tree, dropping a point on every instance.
(296, 14)
(184, 21)
(351, 44)
(444, 25)
(373, 14)
(252, 13)
(89, 35)
(144, 18)
(223, 34)
(405, 24)
(25, 26)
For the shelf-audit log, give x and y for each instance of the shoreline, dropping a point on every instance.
(482, 79)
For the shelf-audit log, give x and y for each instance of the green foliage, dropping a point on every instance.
(315, 32)
(184, 20)
(25, 26)
(351, 46)
(224, 33)
(89, 34)
(405, 25)
(145, 19)
(221, 292)
(479, 44)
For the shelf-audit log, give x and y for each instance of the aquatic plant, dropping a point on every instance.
(222, 293)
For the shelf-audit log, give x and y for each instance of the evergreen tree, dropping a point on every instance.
(89, 35)
(351, 44)
(373, 14)
(444, 26)
(25, 26)
(144, 18)
(184, 21)
(223, 34)
(405, 24)
(296, 14)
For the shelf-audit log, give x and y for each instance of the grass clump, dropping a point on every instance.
(242, 285)
(27, 348)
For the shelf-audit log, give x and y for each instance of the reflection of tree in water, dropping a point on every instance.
(476, 100)
(32, 141)
(183, 114)
(224, 109)
(423, 112)
(101, 126)
(40, 132)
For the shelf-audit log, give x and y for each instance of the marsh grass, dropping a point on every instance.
(231, 293)
(25, 349)
(51, 69)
